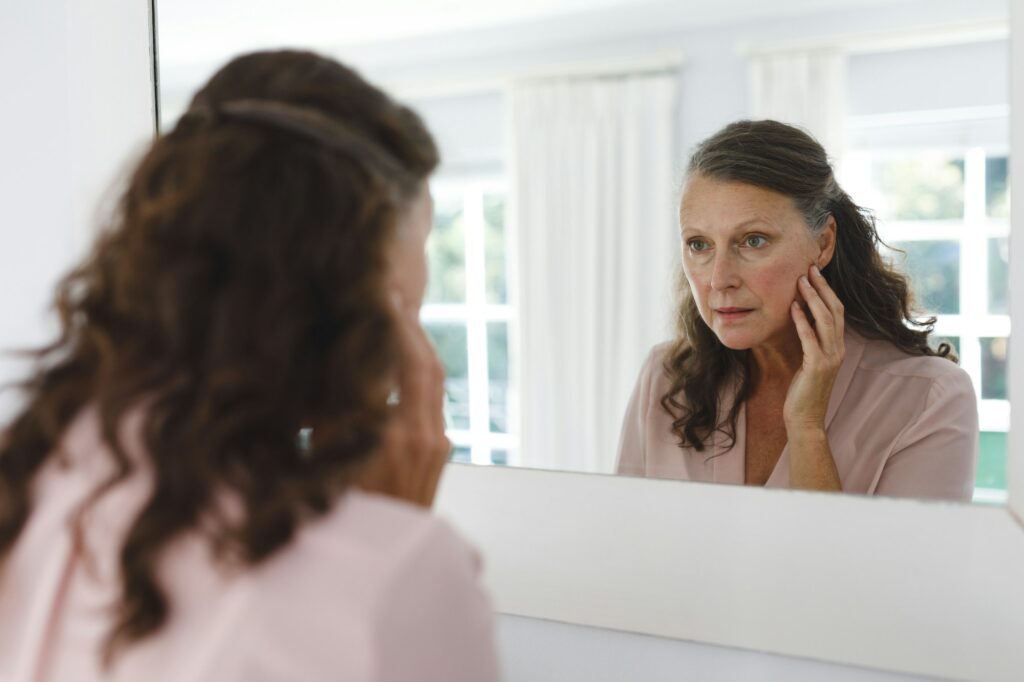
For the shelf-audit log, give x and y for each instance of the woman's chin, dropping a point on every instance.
(745, 339)
(734, 341)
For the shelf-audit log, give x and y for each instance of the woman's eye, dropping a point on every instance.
(755, 241)
(697, 245)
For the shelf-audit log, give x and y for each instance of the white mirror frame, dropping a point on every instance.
(1016, 459)
(903, 585)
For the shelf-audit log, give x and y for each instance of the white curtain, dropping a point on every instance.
(803, 88)
(594, 205)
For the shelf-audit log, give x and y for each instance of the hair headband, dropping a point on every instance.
(304, 122)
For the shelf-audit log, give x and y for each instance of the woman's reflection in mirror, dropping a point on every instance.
(799, 361)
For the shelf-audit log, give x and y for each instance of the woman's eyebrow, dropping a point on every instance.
(685, 229)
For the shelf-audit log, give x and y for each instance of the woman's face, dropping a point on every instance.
(743, 250)
(407, 258)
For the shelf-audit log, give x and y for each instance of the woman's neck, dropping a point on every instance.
(775, 362)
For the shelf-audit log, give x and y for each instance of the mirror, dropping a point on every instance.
(565, 128)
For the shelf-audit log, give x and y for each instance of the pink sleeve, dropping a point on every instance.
(631, 458)
(435, 623)
(936, 456)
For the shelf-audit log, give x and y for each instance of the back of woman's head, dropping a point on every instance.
(876, 298)
(238, 295)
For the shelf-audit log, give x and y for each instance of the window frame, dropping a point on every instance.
(477, 313)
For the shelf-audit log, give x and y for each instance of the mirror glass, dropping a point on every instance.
(565, 128)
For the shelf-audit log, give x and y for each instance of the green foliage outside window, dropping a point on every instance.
(997, 187)
(450, 341)
(934, 270)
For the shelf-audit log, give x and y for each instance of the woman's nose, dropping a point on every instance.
(724, 272)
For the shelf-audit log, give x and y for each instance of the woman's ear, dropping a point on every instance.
(827, 243)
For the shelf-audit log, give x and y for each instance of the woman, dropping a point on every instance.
(798, 363)
(159, 517)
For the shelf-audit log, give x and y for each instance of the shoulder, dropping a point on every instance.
(348, 558)
(428, 616)
(352, 564)
(654, 379)
(885, 358)
(898, 382)
(653, 369)
(371, 582)
(381, 531)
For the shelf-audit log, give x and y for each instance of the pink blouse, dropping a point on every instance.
(375, 590)
(897, 425)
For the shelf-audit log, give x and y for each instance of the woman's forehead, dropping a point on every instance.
(726, 203)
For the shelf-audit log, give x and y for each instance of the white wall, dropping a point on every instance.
(77, 99)
(968, 75)
(713, 83)
(34, 239)
(470, 130)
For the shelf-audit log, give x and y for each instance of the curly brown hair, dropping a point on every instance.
(876, 297)
(238, 294)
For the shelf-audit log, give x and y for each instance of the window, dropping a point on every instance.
(945, 211)
(468, 316)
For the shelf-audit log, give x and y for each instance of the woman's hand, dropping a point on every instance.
(414, 448)
(811, 465)
(823, 351)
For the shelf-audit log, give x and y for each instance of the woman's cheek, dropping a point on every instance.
(698, 289)
(776, 285)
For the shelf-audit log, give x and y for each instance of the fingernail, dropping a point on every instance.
(816, 271)
(804, 280)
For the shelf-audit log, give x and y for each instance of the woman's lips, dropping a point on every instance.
(732, 314)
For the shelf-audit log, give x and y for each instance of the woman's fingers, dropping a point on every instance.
(421, 376)
(831, 300)
(826, 327)
(823, 350)
(824, 323)
(419, 414)
(808, 337)
(432, 476)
